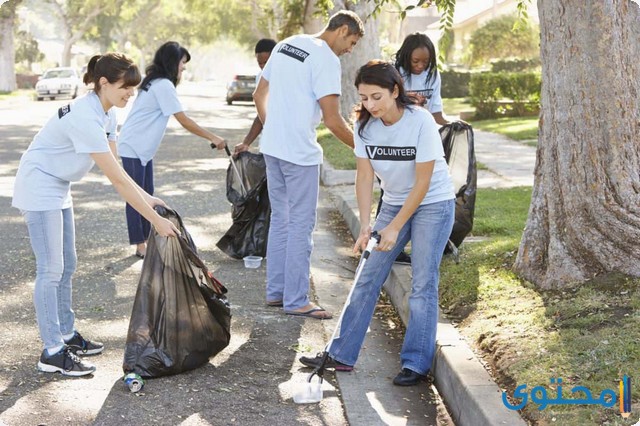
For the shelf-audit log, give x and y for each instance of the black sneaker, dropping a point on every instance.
(330, 363)
(408, 377)
(81, 346)
(65, 362)
(403, 258)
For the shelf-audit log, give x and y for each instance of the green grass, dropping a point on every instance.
(587, 335)
(339, 155)
(16, 94)
(454, 106)
(518, 128)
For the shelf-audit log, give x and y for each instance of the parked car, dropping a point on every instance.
(58, 82)
(241, 88)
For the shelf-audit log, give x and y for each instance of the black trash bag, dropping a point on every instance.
(180, 315)
(251, 210)
(457, 140)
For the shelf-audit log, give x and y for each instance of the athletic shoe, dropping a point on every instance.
(330, 363)
(65, 362)
(403, 258)
(408, 377)
(81, 346)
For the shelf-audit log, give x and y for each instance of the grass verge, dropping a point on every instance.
(587, 335)
(339, 155)
(518, 128)
(20, 93)
(454, 106)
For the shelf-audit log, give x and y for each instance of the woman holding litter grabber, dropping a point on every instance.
(399, 142)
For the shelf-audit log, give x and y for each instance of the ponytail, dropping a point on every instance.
(113, 67)
(88, 76)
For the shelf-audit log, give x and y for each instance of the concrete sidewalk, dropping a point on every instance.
(461, 380)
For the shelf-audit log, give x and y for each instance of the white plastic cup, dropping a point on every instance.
(252, 261)
(308, 393)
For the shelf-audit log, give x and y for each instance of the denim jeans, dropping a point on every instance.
(137, 225)
(428, 230)
(52, 235)
(293, 193)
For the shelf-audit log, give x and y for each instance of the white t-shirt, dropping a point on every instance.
(301, 70)
(394, 151)
(418, 84)
(60, 154)
(145, 125)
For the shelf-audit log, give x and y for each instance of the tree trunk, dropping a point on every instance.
(367, 48)
(7, 49)
(584, 218)
(312, 24)
(66, 52)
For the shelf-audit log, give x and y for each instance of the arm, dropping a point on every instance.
(364, 189)
(194, 128)
(330, 106)
(389, 234)
(114, 148)
(439, 117)
(133, 194)
(254, 131)
(260, 96)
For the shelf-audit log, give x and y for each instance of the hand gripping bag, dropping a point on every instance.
(180, 315)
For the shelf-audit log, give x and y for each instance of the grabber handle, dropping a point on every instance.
(226, 148)
(373, 241)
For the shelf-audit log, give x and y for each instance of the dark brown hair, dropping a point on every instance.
(113, 67)
(348, 18)
(382, 74)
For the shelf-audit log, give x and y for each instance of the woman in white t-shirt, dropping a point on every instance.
(144, 128)
(399, 143)
(65, 149)
(417, 64)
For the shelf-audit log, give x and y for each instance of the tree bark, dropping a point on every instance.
(367, 48)
(7, 49)
(312, 24)
(584, 218)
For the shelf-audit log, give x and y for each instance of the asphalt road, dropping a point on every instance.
(249, 383)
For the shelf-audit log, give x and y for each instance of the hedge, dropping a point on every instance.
(505, 93)
(454, 84)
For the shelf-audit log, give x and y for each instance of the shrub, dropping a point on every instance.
(505, 93)
(455, 84)
(515, 65)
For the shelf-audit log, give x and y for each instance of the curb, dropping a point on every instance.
(471, 395)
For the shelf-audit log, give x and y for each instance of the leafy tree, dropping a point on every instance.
(27, 49)
(504, 37)
(78, 16)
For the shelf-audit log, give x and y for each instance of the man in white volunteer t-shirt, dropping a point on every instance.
(299, 86)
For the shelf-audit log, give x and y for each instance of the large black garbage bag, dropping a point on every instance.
(457, 140)
(251, 210)
(180, 315)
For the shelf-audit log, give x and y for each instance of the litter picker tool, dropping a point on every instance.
(235, 168)
(312, 391)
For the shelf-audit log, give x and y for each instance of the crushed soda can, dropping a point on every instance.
(134, 382)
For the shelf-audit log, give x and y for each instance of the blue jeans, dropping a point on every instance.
(137, 225)
(293, 193)
(52, 235)
(428, 230)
